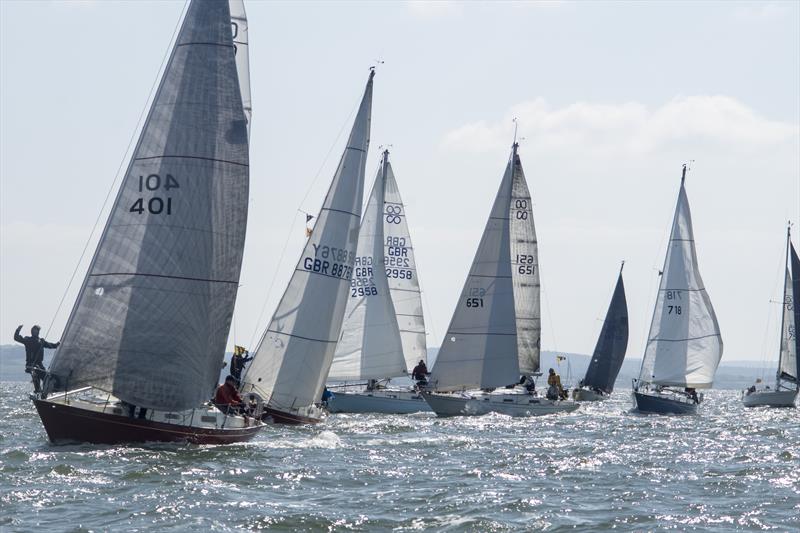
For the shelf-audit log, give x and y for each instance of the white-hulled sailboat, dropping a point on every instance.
(149, 327)
(294, 354)
(684, 345)
(609, 351)
(787, 384)
(383, 334)
(494, 335)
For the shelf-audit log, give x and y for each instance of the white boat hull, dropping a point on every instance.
(771, 398)
(507, 404)
(586, 395)
(380, 401)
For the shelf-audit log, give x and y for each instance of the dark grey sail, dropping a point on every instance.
(611, 345)
(152, 318)
(788, 366)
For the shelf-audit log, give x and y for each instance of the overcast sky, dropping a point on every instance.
(611, 99)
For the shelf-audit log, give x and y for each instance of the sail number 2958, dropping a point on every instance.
(157, 205)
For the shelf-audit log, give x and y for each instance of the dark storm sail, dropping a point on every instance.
(611, 345)
(152, 317)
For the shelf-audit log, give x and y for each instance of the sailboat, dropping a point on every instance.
(494, 335)
(598, 383)
(787, 384)
(383, 334)
(294, 355)
(151, 320)
(684, 345)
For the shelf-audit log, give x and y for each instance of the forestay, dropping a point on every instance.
(369, 346)
(152, 317)
(684, 344)
(401, 270)
(787, 368)
(611, 345)
(524, 271)
(480, 348)
(294, 355)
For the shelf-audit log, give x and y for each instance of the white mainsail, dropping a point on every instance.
(482, 347)
(241, 46)
(152, 317)
(401, 269)
(294, 355)
(787, 363)
(369, 346)
(684, 345)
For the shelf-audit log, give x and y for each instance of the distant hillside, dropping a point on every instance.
(732, 375)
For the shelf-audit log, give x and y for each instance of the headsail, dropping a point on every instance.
(369, 346)
(401, 270)
(787, 366)
(294, 355)
(612, 343)
(480, 348)
(524, 270)
(684, 344)
(152, 318)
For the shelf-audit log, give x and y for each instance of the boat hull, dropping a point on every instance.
(385, 402)
(445, 405)
(784, 398)
(69, 424)
(652, 403)
(277, 416)
(585, 395)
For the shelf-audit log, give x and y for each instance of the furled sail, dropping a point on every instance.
(241, 46)
(152, 318)
(294, 355)
(611, 345)
(480, 348)
(684, 344)
(401, 270)
(369, 346)
(790, 345)
(524, 271)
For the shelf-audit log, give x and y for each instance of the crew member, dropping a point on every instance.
(420, 373)
(555, 391)
(239, 358)
(34, 355)
(227, 398)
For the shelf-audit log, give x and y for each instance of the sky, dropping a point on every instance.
(611, 99)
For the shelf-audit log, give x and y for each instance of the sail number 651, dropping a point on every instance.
(156, 205)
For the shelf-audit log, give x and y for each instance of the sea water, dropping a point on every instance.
(601, 467)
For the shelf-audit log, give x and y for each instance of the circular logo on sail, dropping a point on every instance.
(393, 213)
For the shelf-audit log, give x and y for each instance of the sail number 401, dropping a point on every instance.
(156, 205)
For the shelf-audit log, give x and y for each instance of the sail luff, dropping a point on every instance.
(609, 352)
(480, 347)
(369, 346)
(153, 314)
(294, 354)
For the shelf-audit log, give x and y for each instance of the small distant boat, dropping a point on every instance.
(143, 346)
(383, 334)
(786, 381)
(494, 336)
(684, 345)
(609, 351)
(294, 355)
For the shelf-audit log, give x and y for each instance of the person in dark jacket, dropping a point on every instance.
(420, 373)
(34, 354)
(239, 358)
(227, 398)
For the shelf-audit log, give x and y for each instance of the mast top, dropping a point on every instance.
(622, 266)
(683, 176)
(789, 229)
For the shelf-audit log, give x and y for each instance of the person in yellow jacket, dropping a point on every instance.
(554, 390)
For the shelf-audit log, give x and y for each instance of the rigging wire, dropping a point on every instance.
(136, 130)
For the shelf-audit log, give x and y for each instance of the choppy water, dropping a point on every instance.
(601, 467)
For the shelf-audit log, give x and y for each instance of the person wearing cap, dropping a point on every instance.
(555, 390)
(34, 354)
(227, 398)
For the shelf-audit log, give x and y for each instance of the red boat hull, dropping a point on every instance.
(65, 423)
(279, 417)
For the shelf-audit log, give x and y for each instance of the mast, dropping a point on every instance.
(783, 304)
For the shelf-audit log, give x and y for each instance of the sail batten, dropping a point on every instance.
(293, 357)
(152, 317)
(684, 344)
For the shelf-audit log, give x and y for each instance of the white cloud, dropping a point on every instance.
(629, 128)
(430, 9)
(762, 11)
